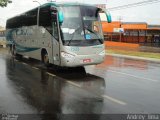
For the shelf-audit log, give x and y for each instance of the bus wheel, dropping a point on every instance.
(45, 58)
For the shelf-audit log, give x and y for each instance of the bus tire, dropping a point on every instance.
(14, 53)
(45, 58)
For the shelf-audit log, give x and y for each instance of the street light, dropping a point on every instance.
(38, 12)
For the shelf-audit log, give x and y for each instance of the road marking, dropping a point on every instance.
(114, 100)
(74, 84)
(134, 76)
(104, 96)
(51, 74)
(24, 63)
(35, 68)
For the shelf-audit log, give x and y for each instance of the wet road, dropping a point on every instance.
(117, 86)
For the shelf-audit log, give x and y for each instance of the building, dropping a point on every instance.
(132, 32)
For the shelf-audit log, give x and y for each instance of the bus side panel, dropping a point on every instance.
(44, 40)
(29, 41)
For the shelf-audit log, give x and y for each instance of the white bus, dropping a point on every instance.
(67, 35)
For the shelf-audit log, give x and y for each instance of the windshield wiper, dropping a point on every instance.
(101, 41)
(73, 34)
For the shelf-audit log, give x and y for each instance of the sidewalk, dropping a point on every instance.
(134, 57)
(132, 51)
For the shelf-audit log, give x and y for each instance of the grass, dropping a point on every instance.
(134, 53)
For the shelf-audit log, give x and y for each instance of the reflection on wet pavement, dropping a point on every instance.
(38, 92)
(116, 86)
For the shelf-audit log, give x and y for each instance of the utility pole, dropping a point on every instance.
(120, 18)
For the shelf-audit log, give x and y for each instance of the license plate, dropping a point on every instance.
(87, 60)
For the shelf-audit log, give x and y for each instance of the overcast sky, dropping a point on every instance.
(147, 13)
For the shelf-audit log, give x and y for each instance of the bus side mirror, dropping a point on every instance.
(105, 15)
(109, 18)
(60, 17)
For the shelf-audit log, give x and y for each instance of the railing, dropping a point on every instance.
(142, 40)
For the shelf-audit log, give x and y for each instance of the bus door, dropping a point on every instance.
(56, 44)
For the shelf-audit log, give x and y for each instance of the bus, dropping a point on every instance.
(62, 34)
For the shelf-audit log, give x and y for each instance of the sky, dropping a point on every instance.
(147, 13)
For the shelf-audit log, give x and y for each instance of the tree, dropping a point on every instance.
(3, 3)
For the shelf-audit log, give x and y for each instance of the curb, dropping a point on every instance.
(135, 57)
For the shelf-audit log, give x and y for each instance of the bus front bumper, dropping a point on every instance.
(82, 60)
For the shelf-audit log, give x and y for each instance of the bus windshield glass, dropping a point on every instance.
(81, 26)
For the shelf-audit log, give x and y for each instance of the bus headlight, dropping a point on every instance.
(66, 55)
(103, 53)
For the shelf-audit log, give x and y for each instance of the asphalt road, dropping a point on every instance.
(117, 86)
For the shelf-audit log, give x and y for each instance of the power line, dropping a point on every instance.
(134, 5)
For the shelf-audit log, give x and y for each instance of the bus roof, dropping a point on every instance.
(56, 4)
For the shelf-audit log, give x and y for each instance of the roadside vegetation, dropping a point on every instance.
(134, 53)
(4, 3)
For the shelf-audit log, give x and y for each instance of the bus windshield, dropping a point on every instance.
(81, 25)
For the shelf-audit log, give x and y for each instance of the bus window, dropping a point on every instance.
(45, 19)
(55, 30)
(54, 24)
